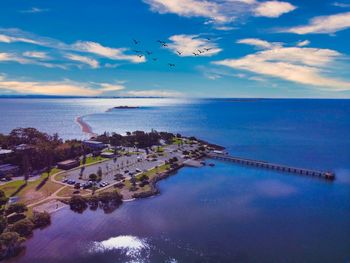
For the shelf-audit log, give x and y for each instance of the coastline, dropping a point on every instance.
(84, 126)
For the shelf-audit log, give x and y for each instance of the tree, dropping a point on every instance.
(78, 203)
(16, 208)
(3, 198)
(3, 223)
(23, 227)
(41, 219)
(25, 167)
(99, 173)
(10, 244)
(93, 177)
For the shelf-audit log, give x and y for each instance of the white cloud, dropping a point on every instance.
(273, 8)
(106, 87)
(16, 35)
(259, 43)
(297, 64)
(63, 88)
(187, 45)
(303, 43)
(85, 60)
(340, 4)
(34, 10)
(153, 93)
(189, 8)
(323, 25)
(36, 54)
(10, 39)
(10, 57)
(111, 53)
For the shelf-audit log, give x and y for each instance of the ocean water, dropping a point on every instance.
(226, 213)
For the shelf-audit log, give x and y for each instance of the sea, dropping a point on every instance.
(225, 213)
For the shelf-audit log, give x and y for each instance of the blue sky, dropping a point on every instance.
(212, 48)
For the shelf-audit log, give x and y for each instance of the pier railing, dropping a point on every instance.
(273, 166)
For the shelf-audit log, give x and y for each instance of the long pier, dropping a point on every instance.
(273, 166)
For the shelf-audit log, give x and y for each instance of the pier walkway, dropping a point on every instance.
(273, 166)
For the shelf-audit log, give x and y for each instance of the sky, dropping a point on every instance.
(171, 48)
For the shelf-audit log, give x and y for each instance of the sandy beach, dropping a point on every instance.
(85, 127)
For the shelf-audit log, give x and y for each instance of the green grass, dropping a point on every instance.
(177, 141)
(92, 159)
(151, 173)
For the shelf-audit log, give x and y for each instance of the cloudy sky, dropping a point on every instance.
(197, 48)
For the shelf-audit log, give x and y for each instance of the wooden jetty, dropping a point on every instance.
(273, 166)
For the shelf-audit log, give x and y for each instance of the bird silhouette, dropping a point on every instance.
(178, 52)
(136, 41)
(140, 56)
(195, 54)
(171, 65)
(137, 51)
(149, 52)
(207, 49)
(164, 44)
(154, 59)
(160, 42)
(200, 51)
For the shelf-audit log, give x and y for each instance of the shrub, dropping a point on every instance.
(3, 223)
(10, 244)
(78, 203)
(23, 227)
(16, 208)
(14, 218)
(41, 219)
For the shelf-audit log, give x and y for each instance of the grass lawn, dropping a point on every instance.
(177, 141)
(151, 173)
(67, 191)
(31, 192)
(92, 159)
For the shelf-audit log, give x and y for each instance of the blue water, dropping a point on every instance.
(228, 213)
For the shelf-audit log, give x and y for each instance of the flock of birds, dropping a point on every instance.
(142, 53)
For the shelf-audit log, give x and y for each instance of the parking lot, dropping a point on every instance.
(127, 166)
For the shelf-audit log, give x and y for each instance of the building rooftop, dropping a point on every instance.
(66, 162)
(4, 151)
(93, 142)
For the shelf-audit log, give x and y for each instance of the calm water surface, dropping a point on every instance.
(227, 213)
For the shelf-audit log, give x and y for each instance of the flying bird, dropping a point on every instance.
(136, 41)
(195, 54)
(140, 56)
(149, 52)
(155, 59)
(200, 51)
(207, 49)
(160, 42)
(171, 65)
(164, 44)
(178, 52)
(137, 51)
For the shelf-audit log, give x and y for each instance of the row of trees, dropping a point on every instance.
(39, 150)
(108, 201)
(140, 139)
(15, 226)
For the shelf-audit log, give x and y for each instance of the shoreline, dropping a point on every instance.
(85, 128)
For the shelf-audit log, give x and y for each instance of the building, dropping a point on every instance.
(4, 152)
(108, 155)
(68, 164)
(95, 145)
(9, 169)
(23, 147)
